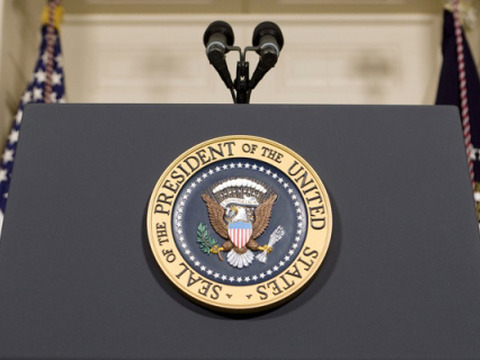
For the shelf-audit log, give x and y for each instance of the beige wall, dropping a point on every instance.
(19, 40)
(336, 51)
(327, 58)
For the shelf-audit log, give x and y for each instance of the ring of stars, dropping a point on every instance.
(178, 216)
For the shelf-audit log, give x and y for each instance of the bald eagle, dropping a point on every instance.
(225, 220)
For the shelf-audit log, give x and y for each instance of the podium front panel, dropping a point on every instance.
(401, 278)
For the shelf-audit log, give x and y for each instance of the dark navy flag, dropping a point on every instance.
(47, 85)
(450, 90)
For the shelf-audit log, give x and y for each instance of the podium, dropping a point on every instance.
(401, 278)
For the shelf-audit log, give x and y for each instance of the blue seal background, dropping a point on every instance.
(193, 211)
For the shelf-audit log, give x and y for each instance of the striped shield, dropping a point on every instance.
(240, 233)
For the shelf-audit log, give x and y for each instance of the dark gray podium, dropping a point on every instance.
(401, 279)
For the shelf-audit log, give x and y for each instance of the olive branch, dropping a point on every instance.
(206, 241)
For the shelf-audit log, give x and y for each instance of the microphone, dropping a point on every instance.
(217, 38)
(268, 37)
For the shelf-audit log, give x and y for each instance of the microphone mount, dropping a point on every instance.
(242, 83)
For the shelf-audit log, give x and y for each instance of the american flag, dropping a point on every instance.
(47, 86)
(459, 85)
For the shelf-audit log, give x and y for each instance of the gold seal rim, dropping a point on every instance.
(239, 306)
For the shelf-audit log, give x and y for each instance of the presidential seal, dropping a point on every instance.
(239, 223)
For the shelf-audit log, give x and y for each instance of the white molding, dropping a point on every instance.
(160, 19)
(342, 2)
(149, 2)
(287, 2)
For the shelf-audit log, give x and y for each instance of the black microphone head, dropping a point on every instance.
(221, 27)
(267, 28)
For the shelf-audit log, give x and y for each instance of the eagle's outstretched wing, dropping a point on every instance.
(216, 213)
(262, 216)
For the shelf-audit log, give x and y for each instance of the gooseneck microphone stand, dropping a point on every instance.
(267, 42)
(242, 83)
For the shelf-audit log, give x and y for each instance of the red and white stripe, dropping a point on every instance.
(240, 237)
(463, 90)
(47, 93)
